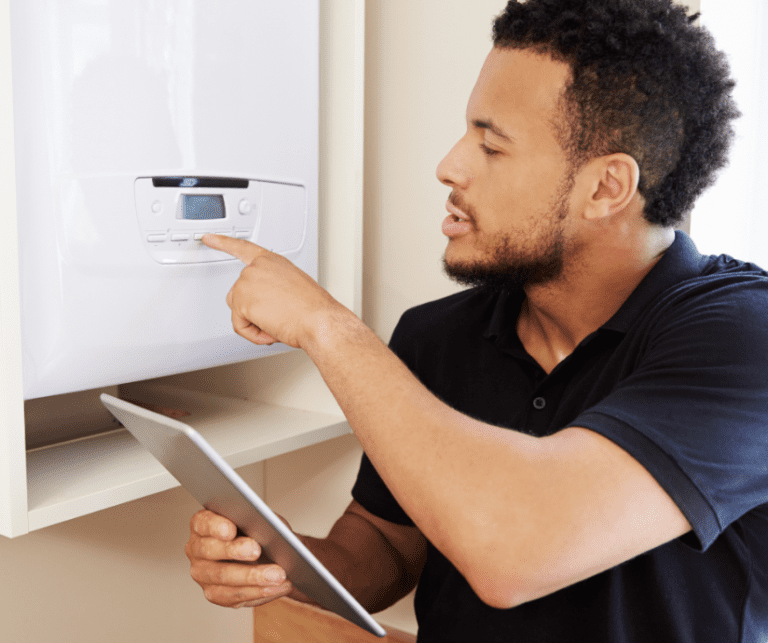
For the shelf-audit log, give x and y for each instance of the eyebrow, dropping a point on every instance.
(491, 127)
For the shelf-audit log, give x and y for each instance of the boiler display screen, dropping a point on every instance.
(197, 207)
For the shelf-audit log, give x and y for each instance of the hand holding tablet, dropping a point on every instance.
(213, 483)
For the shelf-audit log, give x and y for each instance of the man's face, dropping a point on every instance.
(509, 209)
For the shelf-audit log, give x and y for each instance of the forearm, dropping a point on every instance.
(519, 516)
(436, 461)
(363, 561)
(447, 470)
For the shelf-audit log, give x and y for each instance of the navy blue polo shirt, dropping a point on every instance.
(679, 379)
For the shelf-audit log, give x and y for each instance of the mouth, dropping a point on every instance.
(456, 214)
(457, 223)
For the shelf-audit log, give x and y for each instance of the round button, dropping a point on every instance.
(539, 403)
(244, 207)
(157, 207)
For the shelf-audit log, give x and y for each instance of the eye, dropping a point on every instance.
(487, 150)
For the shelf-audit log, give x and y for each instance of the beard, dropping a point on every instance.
(506, 269)
(507, 266)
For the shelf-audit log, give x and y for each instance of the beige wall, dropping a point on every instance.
(423, 59)
(120, 575)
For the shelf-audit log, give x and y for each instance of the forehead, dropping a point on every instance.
(519, 90)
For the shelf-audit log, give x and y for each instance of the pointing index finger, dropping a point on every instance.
(240, 249)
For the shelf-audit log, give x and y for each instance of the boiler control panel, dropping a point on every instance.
(174, 213)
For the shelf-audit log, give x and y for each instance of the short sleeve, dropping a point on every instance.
(694, 411)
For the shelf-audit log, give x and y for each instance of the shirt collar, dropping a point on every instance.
(681, 261)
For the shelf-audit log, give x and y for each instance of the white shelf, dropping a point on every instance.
(76, 478)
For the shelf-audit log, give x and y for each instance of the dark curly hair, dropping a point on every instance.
(645, 80)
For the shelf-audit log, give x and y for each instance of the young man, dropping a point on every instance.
(574, 449)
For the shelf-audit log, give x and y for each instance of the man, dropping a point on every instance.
(574, 449)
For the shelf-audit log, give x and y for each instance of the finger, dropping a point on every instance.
(236, 597)
(207, 573)
(249, 331)
(207, 523)
(238, 248)
(243, 549)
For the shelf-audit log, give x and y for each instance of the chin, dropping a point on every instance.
(461, 254)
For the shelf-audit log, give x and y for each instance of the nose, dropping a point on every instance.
(452, 170)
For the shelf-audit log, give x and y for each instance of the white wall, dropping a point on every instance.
(730, 217)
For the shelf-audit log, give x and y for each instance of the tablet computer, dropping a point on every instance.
(216, 486)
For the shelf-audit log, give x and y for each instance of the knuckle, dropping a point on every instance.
(239, 597)
(196, 574)
(207, 573)
(238, 550)
(205, 549)
(200, 523)
(255, 575)
(214, 575)
(199, 549)
(210, 594)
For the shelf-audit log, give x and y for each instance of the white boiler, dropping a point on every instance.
(139, 126)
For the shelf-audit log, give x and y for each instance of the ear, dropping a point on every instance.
(614, 179)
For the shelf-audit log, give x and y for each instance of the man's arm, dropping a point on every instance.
(519, 516)
(377, 561)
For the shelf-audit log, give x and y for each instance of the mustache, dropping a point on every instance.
(457, 200)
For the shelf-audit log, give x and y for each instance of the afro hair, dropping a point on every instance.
(645, 81)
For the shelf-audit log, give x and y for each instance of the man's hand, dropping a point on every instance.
(225, 566)
(273, 300)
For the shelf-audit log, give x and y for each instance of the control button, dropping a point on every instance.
(539, 403)
(242, 234)
(157, 207)
(179, 237)
(244, 207)
(199, 235)
(157, 238)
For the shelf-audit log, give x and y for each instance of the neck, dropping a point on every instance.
(596, 281)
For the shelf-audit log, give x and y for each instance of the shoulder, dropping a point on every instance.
(725, 290)
(718, 316)
(685, 279)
